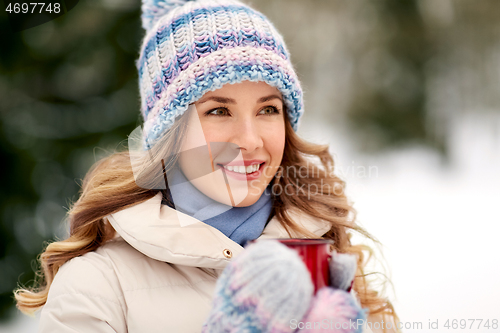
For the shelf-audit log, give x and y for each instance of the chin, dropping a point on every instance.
(252, 197)
(248, 201)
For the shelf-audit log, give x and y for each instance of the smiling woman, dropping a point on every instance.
(158, 236)
(250, 116)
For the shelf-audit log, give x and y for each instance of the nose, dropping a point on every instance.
(247, 135)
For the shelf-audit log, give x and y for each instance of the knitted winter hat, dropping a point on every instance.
(193, 47)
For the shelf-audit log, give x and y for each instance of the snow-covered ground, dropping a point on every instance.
(438, 223)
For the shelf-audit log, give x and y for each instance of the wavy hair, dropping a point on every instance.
(110, 186)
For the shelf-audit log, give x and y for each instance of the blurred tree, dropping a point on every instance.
(388, 103)
(66, 87)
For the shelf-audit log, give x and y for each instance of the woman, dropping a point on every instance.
(217, 163)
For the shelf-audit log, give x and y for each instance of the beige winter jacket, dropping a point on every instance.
(157, 275)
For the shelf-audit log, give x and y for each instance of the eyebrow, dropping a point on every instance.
(227, 100)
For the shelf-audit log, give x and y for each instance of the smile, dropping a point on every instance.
(242, 169)
(243, 172)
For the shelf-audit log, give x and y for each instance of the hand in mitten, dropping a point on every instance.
(334, 309)
(260, 291)
(268, 286)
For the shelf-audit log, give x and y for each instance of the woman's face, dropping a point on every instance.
(243, 129)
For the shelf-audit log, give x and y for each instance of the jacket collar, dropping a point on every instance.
(165, 234)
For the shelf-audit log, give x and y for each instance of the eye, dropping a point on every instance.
(218, 112)
(270, 110)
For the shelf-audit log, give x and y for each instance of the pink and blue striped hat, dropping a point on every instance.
(193, 47)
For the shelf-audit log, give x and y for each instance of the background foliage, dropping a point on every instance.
(66, 87)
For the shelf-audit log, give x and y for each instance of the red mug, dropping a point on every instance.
(316, 255)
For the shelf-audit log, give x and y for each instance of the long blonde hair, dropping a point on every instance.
(110, 186)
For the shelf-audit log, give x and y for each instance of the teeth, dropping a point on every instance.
(242, 169)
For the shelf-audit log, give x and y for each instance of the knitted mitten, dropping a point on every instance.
(260, 291)
(342, 270)
(333, 309)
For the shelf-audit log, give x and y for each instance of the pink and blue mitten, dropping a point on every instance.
(334, 309)
(268, 288)
(260, 291)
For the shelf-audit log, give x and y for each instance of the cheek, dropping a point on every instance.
(275, 142)
(214, 133)
(194, 158)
